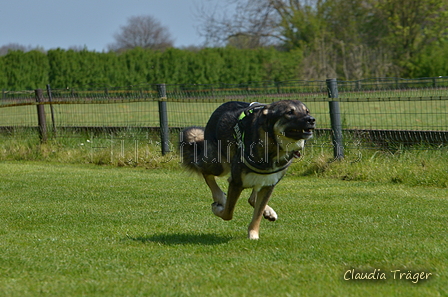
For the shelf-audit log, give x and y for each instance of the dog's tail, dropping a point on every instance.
(191, 147)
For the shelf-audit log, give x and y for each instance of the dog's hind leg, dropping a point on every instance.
(260, 205)
(268, 213)
(219, 197)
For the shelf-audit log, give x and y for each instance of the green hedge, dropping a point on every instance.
(22, 71)
(73, 69)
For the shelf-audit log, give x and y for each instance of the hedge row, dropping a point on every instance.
(71, 69)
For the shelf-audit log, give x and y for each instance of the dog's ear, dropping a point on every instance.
(266, 110)
(266, 119)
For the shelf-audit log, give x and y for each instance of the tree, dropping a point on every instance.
(253, 23)
(18, 47)
(142, 31)
(412, 26)
(349, 39)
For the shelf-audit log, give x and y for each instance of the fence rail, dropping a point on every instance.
(379, 111)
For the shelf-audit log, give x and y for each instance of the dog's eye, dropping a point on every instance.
(291, 112)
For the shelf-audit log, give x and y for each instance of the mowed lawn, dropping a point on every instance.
(84, 230)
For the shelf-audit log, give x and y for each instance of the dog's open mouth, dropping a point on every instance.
(299, 133)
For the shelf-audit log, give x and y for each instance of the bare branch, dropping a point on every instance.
(244, 23)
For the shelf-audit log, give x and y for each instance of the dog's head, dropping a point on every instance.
(289, 119)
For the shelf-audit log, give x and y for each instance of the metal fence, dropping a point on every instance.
(381, 112)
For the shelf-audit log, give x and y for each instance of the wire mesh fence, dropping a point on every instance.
(376, 113)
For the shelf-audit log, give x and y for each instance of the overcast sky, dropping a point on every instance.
(92, 23)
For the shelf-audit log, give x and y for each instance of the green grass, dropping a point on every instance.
(85, 230)
(419, 166)
(414, 166)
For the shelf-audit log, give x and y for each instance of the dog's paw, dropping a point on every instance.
(253, 235)
(217, 209)
(270, 214)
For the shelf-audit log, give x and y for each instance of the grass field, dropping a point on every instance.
(87, 230)
(139, 226)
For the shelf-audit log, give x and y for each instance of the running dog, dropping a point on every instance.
(255, 143)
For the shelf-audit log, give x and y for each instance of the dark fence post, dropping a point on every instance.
(163, 118)
(50, 98)
(335, 117)
(41, 119)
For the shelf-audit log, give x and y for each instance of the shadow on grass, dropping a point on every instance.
(180, 239)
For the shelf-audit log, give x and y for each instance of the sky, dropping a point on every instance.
(92, 23)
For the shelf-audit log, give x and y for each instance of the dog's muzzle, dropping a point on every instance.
(302, 133)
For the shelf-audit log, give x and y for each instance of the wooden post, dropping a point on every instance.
(41, 119)
(163, 119)
(278, 85)
(335, 117)
(50, 98)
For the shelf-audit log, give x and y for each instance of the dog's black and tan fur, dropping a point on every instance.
(255, 143)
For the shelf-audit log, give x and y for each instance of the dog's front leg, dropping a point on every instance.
(260, 204)
(226, 211)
